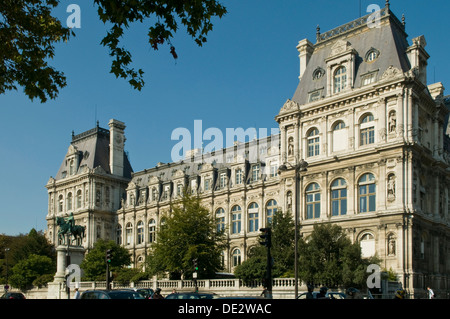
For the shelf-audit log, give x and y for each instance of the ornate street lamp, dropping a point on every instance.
(299, 167)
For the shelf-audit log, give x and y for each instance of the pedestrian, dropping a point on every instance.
(322, 293)
(309, 294)
(157, 294)
(430, 293)
(77, 294)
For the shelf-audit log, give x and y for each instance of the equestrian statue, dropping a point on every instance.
(67, 226)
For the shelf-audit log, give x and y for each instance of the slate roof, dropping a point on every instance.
(389, 39)
(93, 150)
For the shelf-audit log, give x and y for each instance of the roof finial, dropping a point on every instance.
(403, 19)
(387, 4)
(318, 33)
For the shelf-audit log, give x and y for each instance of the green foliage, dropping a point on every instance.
(328, 257)
(282, 251)
(29, 32)
(189, 232)
(26, 271)
(21, 248)
(94, 263)
(127, 275)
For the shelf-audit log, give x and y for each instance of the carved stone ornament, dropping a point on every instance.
(390, 73)
(340, 46)
(289, 106)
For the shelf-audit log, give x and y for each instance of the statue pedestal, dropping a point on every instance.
(56, 289)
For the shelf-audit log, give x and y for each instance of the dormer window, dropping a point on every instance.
(372, 55)
(340, 79)
(318, 73)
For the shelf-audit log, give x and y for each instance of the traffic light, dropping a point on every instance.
(267, 236)
(108, 255)
(195, 262)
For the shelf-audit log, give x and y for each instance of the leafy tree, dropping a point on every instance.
(94, 263)
(21, 247)
(282, 252)
(329, 258)
(189, 232)
(26, 271)
(29, 32)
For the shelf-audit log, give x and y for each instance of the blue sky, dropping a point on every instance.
(240, 78)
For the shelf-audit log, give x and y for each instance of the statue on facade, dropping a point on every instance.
(67, 227)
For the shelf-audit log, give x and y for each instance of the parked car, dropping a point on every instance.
(13, 295)
(147, 293)
(328, 295)
(111, 294)
(191, 295)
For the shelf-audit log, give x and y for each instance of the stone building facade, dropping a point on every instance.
(375, 136)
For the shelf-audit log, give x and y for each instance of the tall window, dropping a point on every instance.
(129, 234)
(366, 193)
(69, 202)
(367, 130)
(220, 220)
(340, 79)
(270, 211)
(253, 217)
(154, 194)
(236, 219)
(255, 173)
(79, 198)
(339, 197)
(239, 176)
(340, 138)
(223, 180)
(119, 234)
(367, 244)
(236, 257)
(313, 143)
(140, 232)
(152, 231)
(60, 203)
(313, 201)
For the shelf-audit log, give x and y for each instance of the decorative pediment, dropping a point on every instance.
(289, 106)
(340, 46)
(153, 180)
(72, 150)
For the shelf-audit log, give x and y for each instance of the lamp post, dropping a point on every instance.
(298, 167)
(6, 261)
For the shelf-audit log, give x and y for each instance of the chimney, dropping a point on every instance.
(116, 146)
(305, 49)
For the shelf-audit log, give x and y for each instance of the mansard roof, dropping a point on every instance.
(387, 36)
(92, 150)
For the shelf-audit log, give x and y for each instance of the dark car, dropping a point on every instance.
(13, 295)
(111, 294)
(147, 293)
(191, 295)
(328, 295)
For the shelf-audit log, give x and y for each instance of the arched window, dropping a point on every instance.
(69, 202)
(367, 243)
(152, 231)
(140, 232)
(340, 79)
(372, 55)
(367, 193)
(338, 197)
(79, 198)
(236, 256)
(253, 217)
(119, 234)
(367, 130)
(271, 209)
(236, 219)
(340, 138)
(220, 219)
(60, 203)
(313, 143)
(129, 234)
(313, 201)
